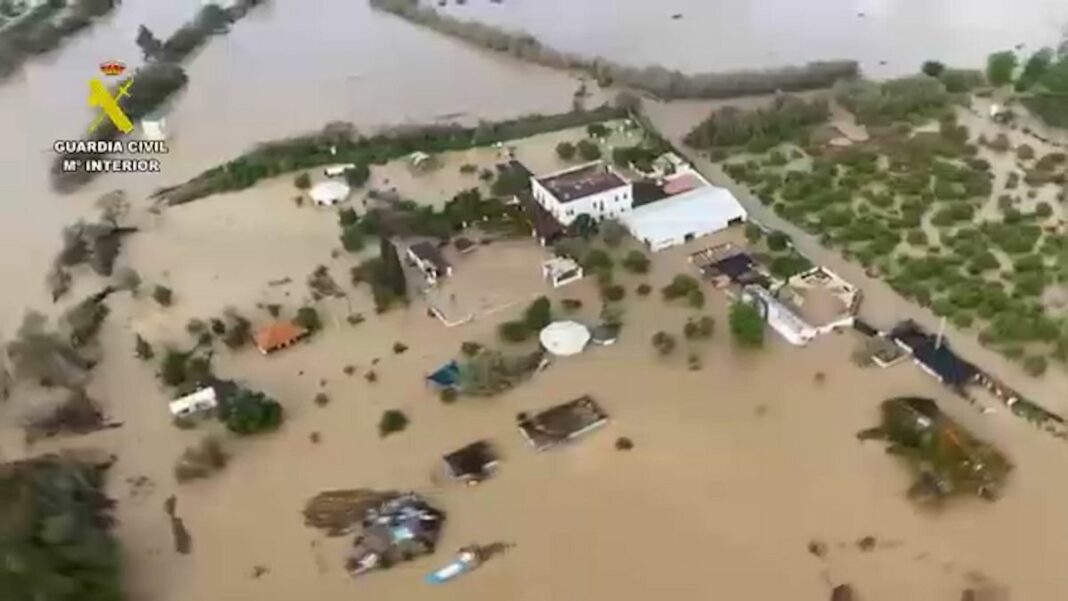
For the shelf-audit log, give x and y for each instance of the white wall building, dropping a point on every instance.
(788, 324)
(678, 219)
(592, 189)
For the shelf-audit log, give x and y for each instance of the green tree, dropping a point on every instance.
(597, 260)
(582, 227)
(778, 241)
(588, 150)
(566, 150)
(701, 328)
(1000, 67)
(933, 68)
(753, 233)
(302, 181)
(746, 325)
(148, 43)
(250, 412)
(538, 314)
(347, 216)
(596, 130)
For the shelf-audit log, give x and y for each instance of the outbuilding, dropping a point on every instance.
(678, 219)
(201, 401)
(330, 193)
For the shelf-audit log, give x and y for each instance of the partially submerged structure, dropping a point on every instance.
(471, 464)
(400, 529)
(201, 401)
(562, 423)
(561, 271)
(329, 193)
(824, 299)
(445, 377)
(726, 264)
(933, 355)
(946, 458)
(278, 335)
(429, 260)
(779, 316)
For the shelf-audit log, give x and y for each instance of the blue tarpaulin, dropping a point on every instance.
(448, 376)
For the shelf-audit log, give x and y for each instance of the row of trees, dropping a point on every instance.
(1043, 80)
(43, 27)
(340, 143)
(786, 119)
(657, 80)
(906, 99)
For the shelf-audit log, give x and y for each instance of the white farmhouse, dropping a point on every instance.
(593, 189)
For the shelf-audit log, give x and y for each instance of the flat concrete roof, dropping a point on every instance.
(582, 181)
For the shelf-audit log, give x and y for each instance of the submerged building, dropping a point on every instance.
(398, 530)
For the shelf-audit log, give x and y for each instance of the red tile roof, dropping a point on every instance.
(683, 183)
(278, 335)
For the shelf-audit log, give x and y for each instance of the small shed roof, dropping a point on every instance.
(471, 461)
(330, 192)
(200, 400)
(278, 335)
(446, 376)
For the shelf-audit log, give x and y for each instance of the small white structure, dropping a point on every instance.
(561, 271)
(593, 189)
(825, 300)
(154, 129)
(200, 401)
(338, 170)
(564, 338)
(781, 319)
(330, 193)
(679, 219)
(420, 160)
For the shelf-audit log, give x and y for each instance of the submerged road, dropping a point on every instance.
(882, 306)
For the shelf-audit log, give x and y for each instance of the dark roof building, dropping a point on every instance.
(582, 182)
(935, 358)
(473, 463)
(561, 423)
(546, 227)
(430, 260)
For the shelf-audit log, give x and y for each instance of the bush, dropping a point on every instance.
(597, 260)
(357, 176)
(142, 349)
(613, 232)
(696, 298)
(701, 328)
(635, 261)
(308, 318)
(1025, 152)
(352, 238)
(778, 241)
(917, 237)
(321, 399)
(470, 348)
(163, 295)
(346, 217)
(746, 325)
(514, 331)
(596, 130)
(1035, 365)
(302, 181)
(565, 150)
(753, 233)
(643, 289)
(614, 293)
(571, 304)
(448, 395)
(200, 461)
(664, 343)
(1043, 210)
(680, 287)
(391, 422)
(588, 151)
